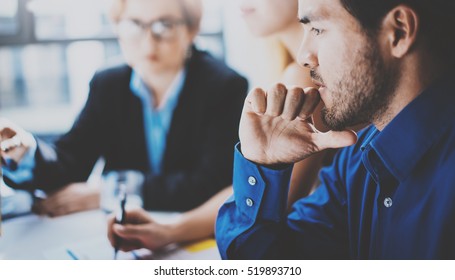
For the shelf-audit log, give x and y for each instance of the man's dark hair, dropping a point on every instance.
(437, 20)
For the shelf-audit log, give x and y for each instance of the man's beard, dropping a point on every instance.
(363, 94)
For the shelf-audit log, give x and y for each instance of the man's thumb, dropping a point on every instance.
(335, 139)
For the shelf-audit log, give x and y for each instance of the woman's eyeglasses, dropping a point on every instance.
(160, 29)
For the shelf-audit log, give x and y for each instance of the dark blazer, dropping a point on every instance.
(198, 159)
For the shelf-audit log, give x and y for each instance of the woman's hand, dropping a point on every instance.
(139, 231)
(14, 141)
(74, 197)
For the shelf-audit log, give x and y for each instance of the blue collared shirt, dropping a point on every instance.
(390, 196)
(157, 120)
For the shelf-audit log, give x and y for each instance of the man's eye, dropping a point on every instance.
(316, 31)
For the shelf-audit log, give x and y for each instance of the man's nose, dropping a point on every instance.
(307, 59)
(307, 56)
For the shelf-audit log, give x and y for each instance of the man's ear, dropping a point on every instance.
(401, 26)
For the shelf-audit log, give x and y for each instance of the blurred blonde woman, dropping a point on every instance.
(277, 20)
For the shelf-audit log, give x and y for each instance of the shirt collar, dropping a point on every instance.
(140, 89)
(406, 139)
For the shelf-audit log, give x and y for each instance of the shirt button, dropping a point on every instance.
(388, 202)
(249, 202)
(252, 181)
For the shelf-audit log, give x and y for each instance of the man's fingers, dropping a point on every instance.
(276, 97)
(294, 100)
(280, 101)
(257, 101)
(316, 118)
(335, 139)
(312, 99)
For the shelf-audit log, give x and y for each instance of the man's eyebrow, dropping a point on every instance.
(306, 19)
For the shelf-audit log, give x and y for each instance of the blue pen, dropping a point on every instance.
(121, 216)
(72, 254)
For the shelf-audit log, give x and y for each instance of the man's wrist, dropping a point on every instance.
(273, 166)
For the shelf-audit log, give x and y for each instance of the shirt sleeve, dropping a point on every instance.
(254, 200)
(253, 223)
(23, 171)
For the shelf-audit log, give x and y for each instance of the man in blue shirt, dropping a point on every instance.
(391, 194)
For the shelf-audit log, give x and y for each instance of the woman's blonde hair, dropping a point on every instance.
(191, 10)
